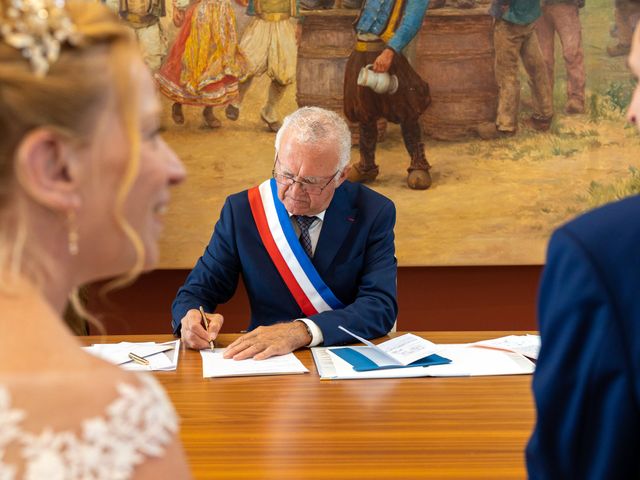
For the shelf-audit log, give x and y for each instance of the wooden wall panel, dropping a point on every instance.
(430, 298)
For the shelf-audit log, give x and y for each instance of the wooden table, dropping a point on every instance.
(298, 427)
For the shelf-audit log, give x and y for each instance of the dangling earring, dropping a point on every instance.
(72, 236)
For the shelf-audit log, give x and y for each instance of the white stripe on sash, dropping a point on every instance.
(285, 249)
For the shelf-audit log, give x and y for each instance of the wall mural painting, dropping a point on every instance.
(518, 109)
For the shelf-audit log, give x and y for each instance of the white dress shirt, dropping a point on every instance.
(314, 234)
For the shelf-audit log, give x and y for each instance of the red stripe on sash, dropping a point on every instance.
(257, 209)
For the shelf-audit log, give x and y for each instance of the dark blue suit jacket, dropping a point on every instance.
(587, 379)
(355, 256)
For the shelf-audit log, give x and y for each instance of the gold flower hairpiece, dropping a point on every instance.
(38, 28)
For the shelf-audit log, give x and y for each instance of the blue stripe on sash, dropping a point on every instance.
(305, 262)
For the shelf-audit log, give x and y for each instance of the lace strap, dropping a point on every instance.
(139, 422)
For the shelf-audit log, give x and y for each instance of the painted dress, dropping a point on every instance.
(204, 65)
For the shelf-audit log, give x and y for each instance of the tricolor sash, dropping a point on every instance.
(279, 238)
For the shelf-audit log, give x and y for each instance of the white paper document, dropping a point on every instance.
(214, 365)
(161, 356)
(466, 360)
(527, 345)
(400, 351)
(470, 360)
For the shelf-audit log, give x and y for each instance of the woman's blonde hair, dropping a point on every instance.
(85, 78)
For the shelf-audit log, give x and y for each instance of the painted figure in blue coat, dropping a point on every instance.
(348, 240)
(383, 29)
(587, 380)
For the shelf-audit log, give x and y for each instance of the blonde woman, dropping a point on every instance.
(84, 181)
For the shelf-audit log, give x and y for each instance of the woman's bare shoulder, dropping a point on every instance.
(83, 419)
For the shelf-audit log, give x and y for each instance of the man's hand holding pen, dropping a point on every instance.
(193, 330)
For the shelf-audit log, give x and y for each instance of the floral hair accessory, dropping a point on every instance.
(38, 28)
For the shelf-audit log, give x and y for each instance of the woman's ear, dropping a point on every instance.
(47, 170)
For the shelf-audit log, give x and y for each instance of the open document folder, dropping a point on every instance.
(405, 351)
(214, 365)
(160, 356)
(466, 360)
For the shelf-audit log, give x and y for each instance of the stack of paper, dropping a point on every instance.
(527, 345)
(470, 360)
(161, 356)
(214, 365)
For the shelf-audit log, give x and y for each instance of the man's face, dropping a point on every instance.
(313, 165)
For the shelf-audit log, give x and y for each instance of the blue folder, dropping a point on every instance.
(362, 363)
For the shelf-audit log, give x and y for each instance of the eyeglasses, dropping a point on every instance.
(310, 188)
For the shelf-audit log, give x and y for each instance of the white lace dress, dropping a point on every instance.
(140, 422)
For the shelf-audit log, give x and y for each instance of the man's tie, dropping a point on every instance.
(304, 223)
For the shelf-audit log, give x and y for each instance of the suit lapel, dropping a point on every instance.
(337, 223)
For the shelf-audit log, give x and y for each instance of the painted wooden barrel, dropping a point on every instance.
(138, 7)
(325, 45)
(455, 55)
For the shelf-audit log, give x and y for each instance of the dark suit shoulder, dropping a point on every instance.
(611, 230)
(361, 196)
(234, 211)
(609, 240)
(239, 199)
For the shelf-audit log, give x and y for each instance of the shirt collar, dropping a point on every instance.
(319, 215)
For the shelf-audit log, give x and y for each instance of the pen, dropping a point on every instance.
(138, 359)
(206, 325)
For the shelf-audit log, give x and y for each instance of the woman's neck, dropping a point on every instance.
(56, 292)
(33, 331)
(50, 264)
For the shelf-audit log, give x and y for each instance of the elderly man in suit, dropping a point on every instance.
(587, 380)
(314, 250)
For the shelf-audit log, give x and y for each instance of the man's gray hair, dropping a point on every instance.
(317, 125)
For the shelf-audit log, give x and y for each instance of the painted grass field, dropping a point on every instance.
(492, 202)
